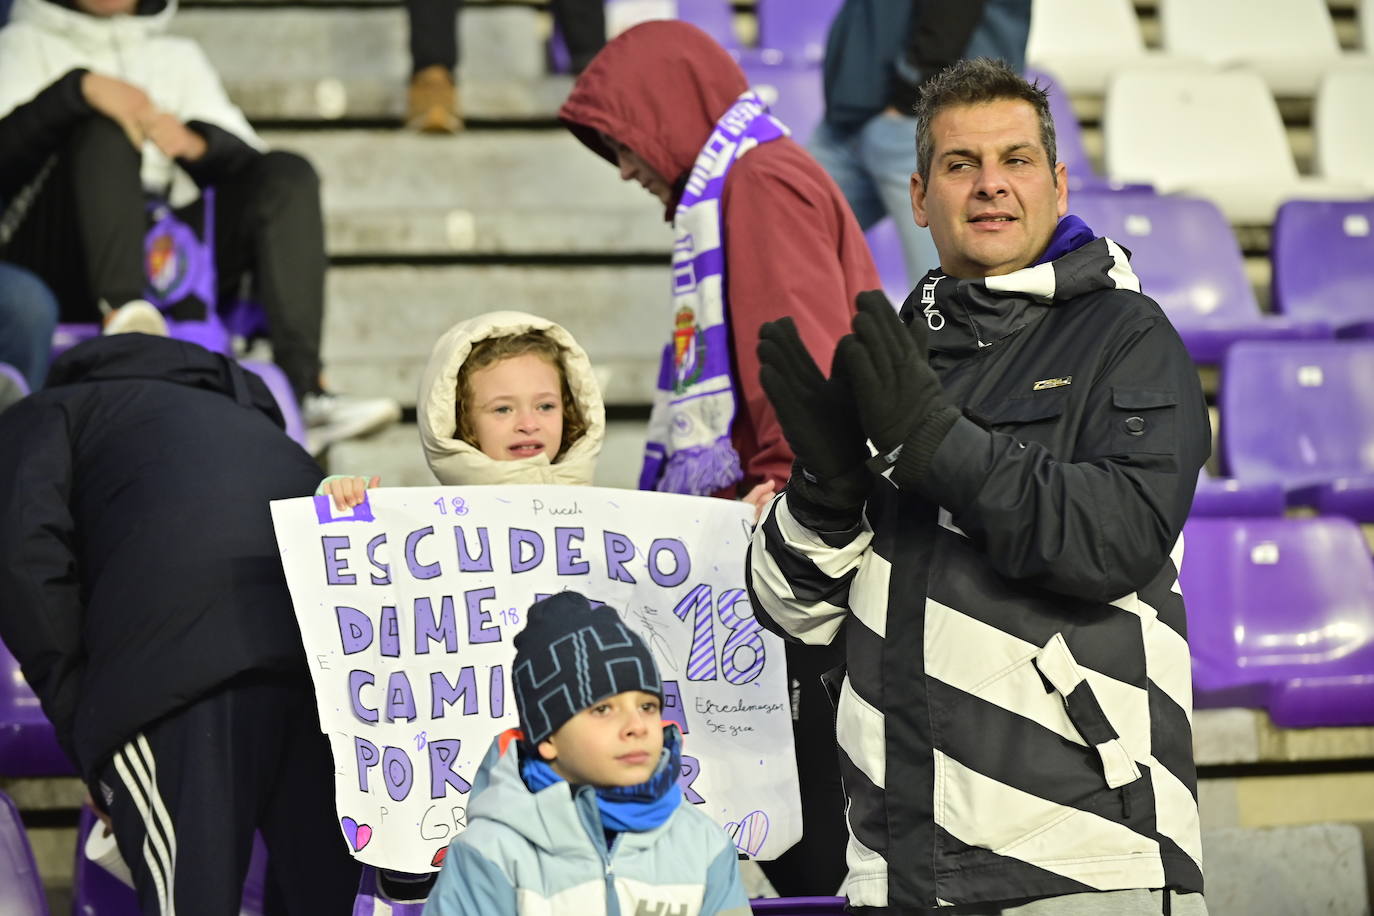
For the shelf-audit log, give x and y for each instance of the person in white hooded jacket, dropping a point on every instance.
(99, 107)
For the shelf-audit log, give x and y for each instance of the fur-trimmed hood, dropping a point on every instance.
(454, 461)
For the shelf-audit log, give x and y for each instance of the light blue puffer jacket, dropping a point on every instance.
(544, 854)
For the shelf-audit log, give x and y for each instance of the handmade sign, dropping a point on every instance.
(408, 606)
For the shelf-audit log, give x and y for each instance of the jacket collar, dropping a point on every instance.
(965, 316)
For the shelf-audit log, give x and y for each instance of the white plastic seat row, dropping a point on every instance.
(1291, 43)
(1213, 133)
(1083, 42)
(1343, 126)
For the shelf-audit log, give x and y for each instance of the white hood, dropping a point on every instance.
(93, 34)
(454, 461)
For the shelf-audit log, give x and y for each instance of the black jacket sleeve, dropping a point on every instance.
(1101, 523)
(940, 30)
(40, 594)
(33, 131)
(225, 155)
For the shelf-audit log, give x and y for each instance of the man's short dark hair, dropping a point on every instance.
(976, 82)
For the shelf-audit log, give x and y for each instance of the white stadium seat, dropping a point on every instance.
(1213, 133)
(1291, 43)
(1081, 42)
(1343, 127)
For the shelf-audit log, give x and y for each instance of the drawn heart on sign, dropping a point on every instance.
(439, 857)
(749, 832)
(357, 834)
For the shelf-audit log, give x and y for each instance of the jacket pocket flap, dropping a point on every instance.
(1143, 398)
(1018, 410)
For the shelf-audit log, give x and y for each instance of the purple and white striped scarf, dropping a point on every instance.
(689, 449)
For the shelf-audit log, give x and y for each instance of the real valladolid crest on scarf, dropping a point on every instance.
(689, 449)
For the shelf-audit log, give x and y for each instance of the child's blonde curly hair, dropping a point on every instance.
(495, 349)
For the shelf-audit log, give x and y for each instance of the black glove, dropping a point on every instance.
(829, 480)
(901, 405)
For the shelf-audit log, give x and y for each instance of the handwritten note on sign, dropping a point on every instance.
(408, 606)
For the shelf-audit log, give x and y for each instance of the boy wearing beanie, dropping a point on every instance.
(578, 811)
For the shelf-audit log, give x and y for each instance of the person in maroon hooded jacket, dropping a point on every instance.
(761, 233)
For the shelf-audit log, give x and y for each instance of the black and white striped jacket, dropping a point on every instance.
(1015, 720)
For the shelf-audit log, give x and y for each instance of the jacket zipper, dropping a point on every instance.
(585, 803)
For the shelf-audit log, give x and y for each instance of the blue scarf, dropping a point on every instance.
(633, 808)
(689, 449)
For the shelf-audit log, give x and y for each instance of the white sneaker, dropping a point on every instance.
(331, 417)
(137, 316)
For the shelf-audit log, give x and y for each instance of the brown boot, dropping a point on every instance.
(433, 102)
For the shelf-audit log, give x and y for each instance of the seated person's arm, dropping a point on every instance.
(230, 141)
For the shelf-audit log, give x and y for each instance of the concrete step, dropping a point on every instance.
(396, 456)
(483, 192)
(381, 322)
(299, 63)
(1231, 737)
(1294, 871)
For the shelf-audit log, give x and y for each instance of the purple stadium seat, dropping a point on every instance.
(1323, 256)
(1302, 413)
(793, 93)
(1068, 136)
(96, 892)
(885, 244)
(1229, 497)
(714, 17)
(797, 28)
(21, 889)
(1189, 262)
(285, 397)
(1281, 616)
(798, 906)
(28, 744)
(69, 335)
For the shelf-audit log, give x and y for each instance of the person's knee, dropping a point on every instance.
(99, 135)
(288, 170)
(26, 304)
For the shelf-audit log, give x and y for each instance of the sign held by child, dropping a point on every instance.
(408, 606)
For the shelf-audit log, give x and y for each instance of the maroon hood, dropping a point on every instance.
(658, 88)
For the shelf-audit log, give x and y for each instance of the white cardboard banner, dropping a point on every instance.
(408, 606)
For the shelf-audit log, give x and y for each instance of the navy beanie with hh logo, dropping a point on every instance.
(570, 656)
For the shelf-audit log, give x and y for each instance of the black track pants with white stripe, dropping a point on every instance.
(188, 791)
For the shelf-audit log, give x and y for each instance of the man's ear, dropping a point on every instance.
(1061, 179)
(547, 750)
(918, 200)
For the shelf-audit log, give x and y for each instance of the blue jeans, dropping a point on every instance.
(873, 168)
(28, 317)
